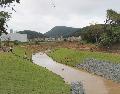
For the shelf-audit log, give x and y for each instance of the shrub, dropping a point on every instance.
(16, 42)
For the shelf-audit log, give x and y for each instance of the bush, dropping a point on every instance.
(65, 40)
(83, 42)
(105, 40)
(16, 42)
(36, 42)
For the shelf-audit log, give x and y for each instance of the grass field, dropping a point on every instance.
(73, 57)
(18, 76)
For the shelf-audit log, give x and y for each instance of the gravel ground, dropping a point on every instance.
(105, 69)
(77, 88)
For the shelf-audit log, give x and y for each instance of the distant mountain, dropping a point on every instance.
(32, 34)
(59, 31)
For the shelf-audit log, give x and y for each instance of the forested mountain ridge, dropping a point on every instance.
(59, 31)
(32, 34)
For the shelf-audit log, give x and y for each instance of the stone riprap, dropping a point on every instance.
(105, 69)
(77, 88)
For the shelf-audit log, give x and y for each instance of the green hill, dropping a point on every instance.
(59, 31)
(32, 34)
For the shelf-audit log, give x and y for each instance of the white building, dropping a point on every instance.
(14, 36)
(74, 38)
(49, 39)
(61, 38)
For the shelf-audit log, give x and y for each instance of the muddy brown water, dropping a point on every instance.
(92, 84)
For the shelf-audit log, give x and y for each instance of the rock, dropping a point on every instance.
(77, 88)
(105, 69)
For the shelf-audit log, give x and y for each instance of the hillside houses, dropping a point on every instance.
(50, 39)
(74, 38)
(62, 39)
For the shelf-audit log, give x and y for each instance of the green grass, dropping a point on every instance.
(18, 76)
(73, 57)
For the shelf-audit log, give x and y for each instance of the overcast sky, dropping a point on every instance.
(41, 15)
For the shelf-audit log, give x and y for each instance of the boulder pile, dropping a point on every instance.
(105, 69)
(77, 88)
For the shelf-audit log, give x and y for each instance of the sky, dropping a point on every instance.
(41, 15)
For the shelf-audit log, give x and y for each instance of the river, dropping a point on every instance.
(92, 84)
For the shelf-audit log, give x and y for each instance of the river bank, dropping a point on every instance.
(70, 74)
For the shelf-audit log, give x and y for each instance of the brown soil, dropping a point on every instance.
(70, 45)
(53, 45)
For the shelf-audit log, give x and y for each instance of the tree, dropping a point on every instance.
(7, 3)
(111, 33)
(92, 33)
(4, 16)
(113, 18)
